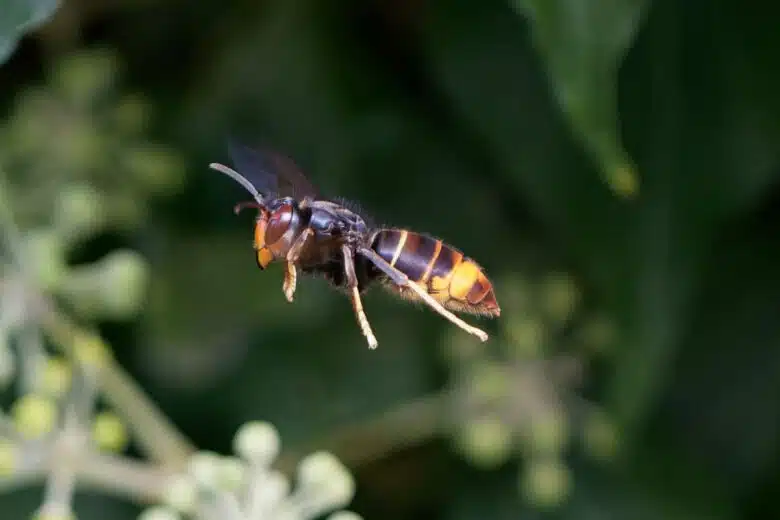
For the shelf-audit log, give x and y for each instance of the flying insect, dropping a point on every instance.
(315, 235)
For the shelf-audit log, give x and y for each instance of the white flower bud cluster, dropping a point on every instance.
(246, 487)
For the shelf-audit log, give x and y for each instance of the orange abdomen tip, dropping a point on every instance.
(470, 286)
(489, 304)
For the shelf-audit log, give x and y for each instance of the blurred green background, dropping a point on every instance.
(612, 165)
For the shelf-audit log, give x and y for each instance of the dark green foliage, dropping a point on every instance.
(510, 128)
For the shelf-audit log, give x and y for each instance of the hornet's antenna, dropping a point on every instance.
(233, 174)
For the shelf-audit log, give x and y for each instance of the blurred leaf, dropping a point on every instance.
(702, 135)
(18, 17)
(583, 44)
(727, 388)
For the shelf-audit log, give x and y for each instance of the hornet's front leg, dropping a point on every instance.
(354, 294)
(401, 280)
(290, 273)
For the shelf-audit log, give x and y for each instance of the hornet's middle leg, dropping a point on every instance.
(354, 294)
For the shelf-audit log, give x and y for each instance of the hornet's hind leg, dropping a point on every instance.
(290, 273)
(402, 280)
(354, 294)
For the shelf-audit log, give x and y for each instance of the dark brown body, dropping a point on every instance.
(453, 279)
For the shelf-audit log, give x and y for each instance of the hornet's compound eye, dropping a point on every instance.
(278, 223)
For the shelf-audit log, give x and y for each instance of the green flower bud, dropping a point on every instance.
(131, 115)
(79, 211)
(30, 124)
(56, 376)
(90, 350)
(527, 336)
(79, 148)
(45, 257)
(458, 348)
(83, 76)
(560, 297)
(601, 437)
(125, 210)
(113, 287)
(489, 381)
(109, 433)
(545, 483)
(597, 334)
(159, 170)
(34, 415)
(486, 442)
(517, 296)
(547, 433)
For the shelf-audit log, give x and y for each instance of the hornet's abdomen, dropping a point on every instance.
(458, 282)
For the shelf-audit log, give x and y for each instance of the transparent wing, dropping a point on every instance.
(270, 172)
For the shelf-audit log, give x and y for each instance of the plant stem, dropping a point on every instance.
(156, 434)
(8, 229)
(408, 424)
(121, 476)
(112, 474)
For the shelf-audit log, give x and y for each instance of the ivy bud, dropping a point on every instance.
(324, 483)
(79, 211)
(109, 433)
(601, 435)
(34, 415)
(56, 376)
(257, 442)
(113, 287)
(159, 170)
(82, 76)
(486, 442)
(546, 483)
(560, 296)
(527, 337)
(547, 433)
(131, 115)
(45, 257)
(204, 469)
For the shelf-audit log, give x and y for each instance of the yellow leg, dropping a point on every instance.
(357, 303)
(365, 327)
